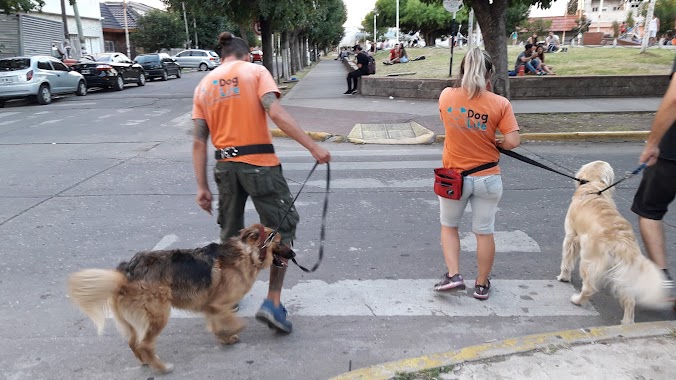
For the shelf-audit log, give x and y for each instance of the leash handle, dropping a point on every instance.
(627, 176)
(535, 163)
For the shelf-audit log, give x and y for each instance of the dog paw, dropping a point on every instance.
(233, 339)
(576, 299)
(168, 367)
(563, 278)
(627, 322)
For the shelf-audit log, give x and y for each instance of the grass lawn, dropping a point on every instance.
(577, 61)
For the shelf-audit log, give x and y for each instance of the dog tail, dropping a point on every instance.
(91, 289)
(641, 278)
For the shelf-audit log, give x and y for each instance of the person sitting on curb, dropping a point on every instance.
(527, 59)
(362, 69)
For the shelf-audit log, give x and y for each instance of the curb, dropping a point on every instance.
(558, 136)
(510, 347)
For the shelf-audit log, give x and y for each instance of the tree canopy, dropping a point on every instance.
(13, 6)
(159, 30)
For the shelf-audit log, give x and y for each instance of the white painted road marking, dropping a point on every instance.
(368, 165)
(409, 297)
(5, 114)
(165, 242)
(505, 241)
(8, 122)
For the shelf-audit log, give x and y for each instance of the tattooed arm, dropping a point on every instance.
(199, 160)
(288, 125)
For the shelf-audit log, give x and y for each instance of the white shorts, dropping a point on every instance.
(652, 33)
(483, 193)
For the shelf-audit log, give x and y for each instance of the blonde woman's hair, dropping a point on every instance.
(476, 69)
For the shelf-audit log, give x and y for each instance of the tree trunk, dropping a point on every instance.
(285, 55)
(429, 39)
(491, 18)
(266, 41)
(293, 40)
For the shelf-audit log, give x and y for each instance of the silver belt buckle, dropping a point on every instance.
(229, 152)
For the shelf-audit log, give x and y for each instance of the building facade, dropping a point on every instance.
(90, 17)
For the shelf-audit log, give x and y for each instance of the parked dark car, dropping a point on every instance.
(111, 70)
(159, 65)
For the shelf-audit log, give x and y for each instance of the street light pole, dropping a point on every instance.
(126, 30)
(397, 21)
(375, 33)
(598, 25)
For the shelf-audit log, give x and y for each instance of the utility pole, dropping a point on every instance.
(126, 30)
(78, 23)
(375, 31)
(598, 25)
(187, 33)
(470, 30)
(646, 28)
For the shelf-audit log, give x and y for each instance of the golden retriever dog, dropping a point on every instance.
(604, 241)
(209, 280)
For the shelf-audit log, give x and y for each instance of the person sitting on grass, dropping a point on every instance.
(540, 60)
(394, 54)
(401, 58)
(527, 59)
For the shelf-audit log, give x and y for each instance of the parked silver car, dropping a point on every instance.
(200, 59)
(39, 76)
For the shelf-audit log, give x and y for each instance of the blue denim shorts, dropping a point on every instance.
(483, 193)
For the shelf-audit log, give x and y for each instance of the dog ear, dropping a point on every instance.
(250, 233)
(608, 176)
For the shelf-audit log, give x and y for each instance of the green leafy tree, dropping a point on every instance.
(537, 26)
(665, 10)
(630, 19)
(159, 30)
(571, 7)
(492, 16)
(14, 6)
(516, 15)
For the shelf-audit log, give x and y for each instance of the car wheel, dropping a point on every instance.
(119, 83)
(178, 73)
(81, 88)
(165, 76)
(141, 79)
(44, 95)
(203, 67)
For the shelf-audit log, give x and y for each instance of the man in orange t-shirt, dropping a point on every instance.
(231, 103)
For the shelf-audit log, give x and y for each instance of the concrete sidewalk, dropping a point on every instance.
(318, 104)
(638, 351)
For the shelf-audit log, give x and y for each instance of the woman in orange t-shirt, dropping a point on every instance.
(471, 115)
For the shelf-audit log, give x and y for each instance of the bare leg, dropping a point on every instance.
(450, 245)
(485, 252)
(652, 233)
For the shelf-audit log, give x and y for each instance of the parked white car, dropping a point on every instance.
(38, 76)
(200, 59)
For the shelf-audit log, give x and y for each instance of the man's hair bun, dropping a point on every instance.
(224, 38)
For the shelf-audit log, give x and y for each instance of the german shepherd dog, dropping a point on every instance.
(210, 280)
(604, 241)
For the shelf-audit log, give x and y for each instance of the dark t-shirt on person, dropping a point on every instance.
(363, 60)
(518, 59)
(668, 143)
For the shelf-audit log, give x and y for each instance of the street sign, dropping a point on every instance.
(257, 28)
(452, 5)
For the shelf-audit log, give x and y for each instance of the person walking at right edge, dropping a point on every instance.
(472, 114)
(658, 185)
(230, 104)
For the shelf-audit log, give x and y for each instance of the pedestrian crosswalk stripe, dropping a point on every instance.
(505, 241)
(415, 297)
(367, 165)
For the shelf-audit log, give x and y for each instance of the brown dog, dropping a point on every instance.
(604, 241)
(210, 280)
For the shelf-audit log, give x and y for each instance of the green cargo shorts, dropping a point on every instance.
(268, 190)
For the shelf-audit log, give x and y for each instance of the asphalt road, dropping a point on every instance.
(87, 182)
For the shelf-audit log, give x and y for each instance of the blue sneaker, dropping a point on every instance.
(274, 317)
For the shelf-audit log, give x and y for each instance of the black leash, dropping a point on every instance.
(627, 176)
(535, 163)
(322, 232)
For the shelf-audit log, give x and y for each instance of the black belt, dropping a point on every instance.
(244, 150)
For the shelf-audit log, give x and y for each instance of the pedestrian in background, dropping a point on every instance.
(658, 185)
(362, 69)
(471, 115)
(230, 104)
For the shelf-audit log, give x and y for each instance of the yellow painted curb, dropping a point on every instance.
(317, 136)
(509, 347)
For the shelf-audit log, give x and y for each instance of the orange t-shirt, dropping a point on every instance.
(470, 126)
(228, 98)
